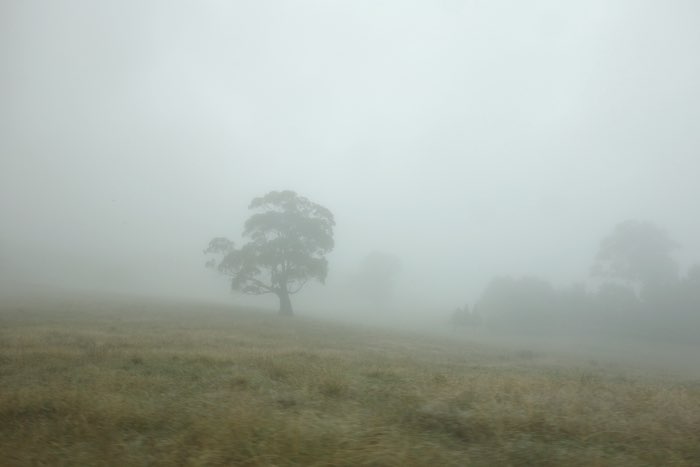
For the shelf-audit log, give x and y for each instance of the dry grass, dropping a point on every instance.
(117, 383)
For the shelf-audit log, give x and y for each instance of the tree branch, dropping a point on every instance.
(301, 285)
(262, 285)
(262, 292)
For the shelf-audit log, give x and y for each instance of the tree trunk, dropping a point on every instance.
(285, 303)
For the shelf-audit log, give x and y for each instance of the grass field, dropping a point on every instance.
(88, 382)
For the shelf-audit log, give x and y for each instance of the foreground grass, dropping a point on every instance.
(118, 383)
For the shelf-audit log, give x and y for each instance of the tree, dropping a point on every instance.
(685, 299)
(466, 317)
(693, 275)
(617, 300)
(638, 252)
(377, 275)
(526, 304)
(289, 238)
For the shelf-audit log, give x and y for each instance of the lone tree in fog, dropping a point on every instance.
(638, 252)
(289, 238)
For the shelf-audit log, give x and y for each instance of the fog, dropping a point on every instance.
(467, 139)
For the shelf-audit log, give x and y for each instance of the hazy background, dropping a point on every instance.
(467, 138)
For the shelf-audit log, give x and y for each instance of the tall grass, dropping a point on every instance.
(143, 383)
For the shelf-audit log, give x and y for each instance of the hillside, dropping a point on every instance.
(107, 381)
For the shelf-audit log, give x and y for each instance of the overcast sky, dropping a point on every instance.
(469, 138)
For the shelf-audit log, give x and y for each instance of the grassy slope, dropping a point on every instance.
(109, 382)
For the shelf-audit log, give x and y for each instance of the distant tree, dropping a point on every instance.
(376, 276)
(686, 297)
(289, 238)
(639, 253)
(619, 300)
(693, 275)
(466, 317)
(527, 304)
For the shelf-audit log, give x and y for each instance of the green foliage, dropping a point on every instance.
(289, 238)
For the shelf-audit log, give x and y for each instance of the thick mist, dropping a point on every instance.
(468, 140)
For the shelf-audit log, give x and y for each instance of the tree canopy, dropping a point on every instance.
(289, 238)
(638, 252)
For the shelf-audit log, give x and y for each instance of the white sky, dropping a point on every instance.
(470, 138)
